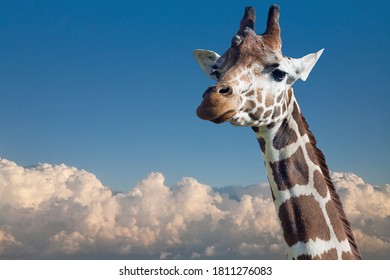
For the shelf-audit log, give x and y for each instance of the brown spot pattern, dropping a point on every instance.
(279, 98)
(291, 171)
(298, 223)
(284, 136)
(271, 125)
(276, 112)
(267, 114)
(335, 220)
(289, 95)
(262, 144)
(249, 105)
(260, 96)
(256, 115)
(250, 93)
(304, 257)
(244, 78)
(284, 108)
(329, 255)
(320, 183)
(347, 256)
(298, 119)
(269, 100)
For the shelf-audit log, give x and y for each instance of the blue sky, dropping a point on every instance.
(112, 87)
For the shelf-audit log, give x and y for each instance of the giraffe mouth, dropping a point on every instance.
(210, 115)
(214, 113)
(224, 117)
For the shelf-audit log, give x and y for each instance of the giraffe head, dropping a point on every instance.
(253, 76)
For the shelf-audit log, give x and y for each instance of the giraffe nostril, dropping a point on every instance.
(225, 90)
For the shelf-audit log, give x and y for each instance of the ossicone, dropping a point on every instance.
(247, 21)
(272, 32)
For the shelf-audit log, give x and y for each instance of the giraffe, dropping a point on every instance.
(254, 89)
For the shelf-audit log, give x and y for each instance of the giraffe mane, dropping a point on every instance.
(334, 195)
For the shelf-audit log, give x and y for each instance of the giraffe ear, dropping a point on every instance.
(206, 60)
(304, 65)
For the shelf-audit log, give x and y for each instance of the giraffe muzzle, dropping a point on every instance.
(218, 104)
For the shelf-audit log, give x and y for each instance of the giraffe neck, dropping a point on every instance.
(312, 219)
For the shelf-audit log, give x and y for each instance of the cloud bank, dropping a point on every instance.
(60, 212)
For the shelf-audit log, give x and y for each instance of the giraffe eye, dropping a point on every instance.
(278, 75)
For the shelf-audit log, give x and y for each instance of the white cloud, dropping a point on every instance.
(368, 209)
(55, 211)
